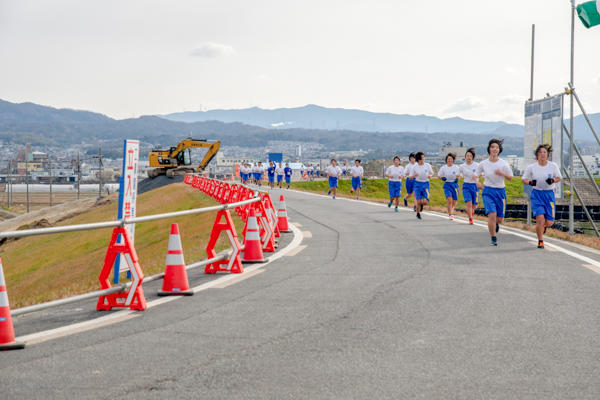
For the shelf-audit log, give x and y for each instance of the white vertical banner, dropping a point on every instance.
(128, 195)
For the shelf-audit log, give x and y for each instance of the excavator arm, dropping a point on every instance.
(212, 145)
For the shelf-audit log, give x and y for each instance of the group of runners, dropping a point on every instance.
(255, 174)
(541, 175)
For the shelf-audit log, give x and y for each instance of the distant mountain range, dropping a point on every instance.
(48, 126)
(316, 117)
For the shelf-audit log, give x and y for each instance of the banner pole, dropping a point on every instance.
(571, 174)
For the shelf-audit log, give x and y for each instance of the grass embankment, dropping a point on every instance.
(44, 268)
(377, 189)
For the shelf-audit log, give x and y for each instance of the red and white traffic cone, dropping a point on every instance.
(252, 247)
(7, 331)
(282, 220)
(176, 281)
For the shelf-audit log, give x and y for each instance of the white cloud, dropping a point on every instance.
(510, 70)
(465, 104)
(212, 50)
(511, 100)
(598, 80)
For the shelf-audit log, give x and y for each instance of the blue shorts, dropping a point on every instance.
(470, 192)
(494, 200)
(279, 178)
(543, 203)
(288, 179)
(271, 178)
(243, 177)
(421, 190)
(333, 182)
(258, 176)
(394, 188)
(356, 182)
(410, 186)
(451, 190)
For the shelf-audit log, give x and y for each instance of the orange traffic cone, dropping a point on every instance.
(282, 220)
(7, 332)
(176, 281)
(252, 247)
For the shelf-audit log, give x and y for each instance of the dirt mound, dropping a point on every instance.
(154, 183)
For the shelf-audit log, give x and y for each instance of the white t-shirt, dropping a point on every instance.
(467, 171)
(357, 171)
(333, 171)
(489, 168)
(450, 173)
(396, 173)
(279, 171)
(540, 174)
(258, 169)
(423, 172)
(408, 170)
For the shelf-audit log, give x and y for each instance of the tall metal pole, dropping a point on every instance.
(50, 167)
(571, 174)
(9, 181)
(532, 60)
(27, 178)
(101, 171)
(531, 99)
(78, 176)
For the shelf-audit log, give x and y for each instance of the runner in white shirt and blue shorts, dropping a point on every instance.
(422, 172)
(495, 171)
(356, 172)
(449, 173)
(542, 175)
(395, 173)
(470, 191)
(410, 182)
(333, 172)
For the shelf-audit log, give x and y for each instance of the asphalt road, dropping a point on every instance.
(377, 305)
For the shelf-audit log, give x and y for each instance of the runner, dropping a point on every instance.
(395, 173)
(470, 191)
(410, 182)
(422, 172)
(495, 171)
(288, 174)
(259, 171)
(333, 172)
(243, 173)
(271, 174)
(345, 169)
(311, 171)
(542, 175)
(449, 173)
(356, 172)
(280, 172)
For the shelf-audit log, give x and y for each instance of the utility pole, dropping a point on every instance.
(78, 177)
(101, 169)
(572, 144)
(531, 99)
(50, 168)
(27, 178)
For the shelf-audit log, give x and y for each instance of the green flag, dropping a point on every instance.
(589, 13)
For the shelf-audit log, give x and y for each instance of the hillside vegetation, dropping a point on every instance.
(44, 268)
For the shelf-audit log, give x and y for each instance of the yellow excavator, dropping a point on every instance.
(178, 159)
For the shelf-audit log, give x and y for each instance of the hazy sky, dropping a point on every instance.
(437, 57)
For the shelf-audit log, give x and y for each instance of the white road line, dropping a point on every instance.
(504, 229)
(296, 251)
(592, 268)
(307, 234)
(298, 224)
(124, 315)
(239, 278)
